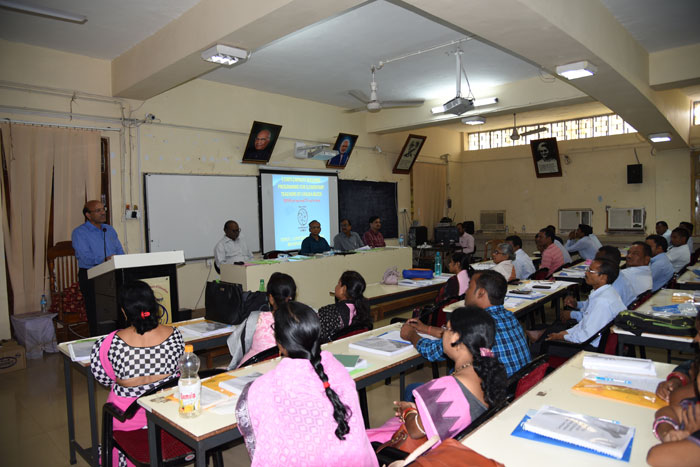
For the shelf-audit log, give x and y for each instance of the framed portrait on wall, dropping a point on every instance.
(545, 154)
(344, 144)
(409, 154)
(261, 142)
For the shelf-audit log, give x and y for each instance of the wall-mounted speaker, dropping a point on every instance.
(634, 173)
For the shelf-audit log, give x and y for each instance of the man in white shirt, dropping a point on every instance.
(232, 247)
(689, 227)
(466, 241)
(663, 230)
(679, 253)
(661, 267)
(522, 262)
(636, 278)
(583, 242)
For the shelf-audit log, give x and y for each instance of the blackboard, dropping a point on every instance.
(358, 200)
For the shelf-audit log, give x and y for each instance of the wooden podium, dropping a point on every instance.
(159, 270)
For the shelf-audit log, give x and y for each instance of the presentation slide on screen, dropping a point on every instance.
(296, 200)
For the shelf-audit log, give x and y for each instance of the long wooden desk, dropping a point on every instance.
(316, 275)
(680, 343)
(494, 440)
(90, 454)
(211, 429)
(689, 280)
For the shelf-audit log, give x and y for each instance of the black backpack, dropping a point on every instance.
(637, 323)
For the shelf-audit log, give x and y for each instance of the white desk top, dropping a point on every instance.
(689, 276)
(210, 422)
(494, 439)
(556, 286)
(137, 260)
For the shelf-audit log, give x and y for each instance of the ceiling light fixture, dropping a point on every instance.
(474, 120)
(577, 70)
(43, 11)
(225, 55)
(660, 137)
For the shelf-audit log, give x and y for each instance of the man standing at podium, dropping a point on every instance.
(94, 243)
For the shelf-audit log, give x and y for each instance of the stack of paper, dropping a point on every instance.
(205, 328)
(609, 363)
(235, 384)
(80, 350)
(380, 346)
(351, 362)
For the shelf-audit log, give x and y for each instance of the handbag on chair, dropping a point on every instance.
(224, 303)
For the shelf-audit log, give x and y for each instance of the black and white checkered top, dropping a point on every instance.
(130, 362)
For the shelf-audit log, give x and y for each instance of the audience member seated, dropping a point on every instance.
(503, 256)
(373, 237)
(350, 307)
(135, 360)
(487, 290)
(522, 262)
(689, 227)
(306, 410)
(677, 426)
(559, 244)
(456, 285)
(583, 242)
(609, 252)
(602, 306)
(478, 382)
(466, 240)
(679, 252)
(552, 258)
(636, 277)
(314, 243)
(346, 239)
(281, 289)
(663, 230)
(661, 267)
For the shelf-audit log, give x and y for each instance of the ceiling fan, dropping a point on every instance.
(516, 136)
(373, 104)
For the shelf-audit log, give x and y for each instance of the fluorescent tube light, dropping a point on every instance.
(43, 11)
(474, 120)
(577, 70)
(225, 55)
(485, 101)
(660, 137)
(437, 110)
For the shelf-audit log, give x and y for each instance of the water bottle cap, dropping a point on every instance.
(189, 348)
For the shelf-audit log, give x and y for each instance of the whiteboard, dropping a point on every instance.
(187, 212)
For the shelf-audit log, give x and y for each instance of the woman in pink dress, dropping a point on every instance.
(306, 411)
(280, 289)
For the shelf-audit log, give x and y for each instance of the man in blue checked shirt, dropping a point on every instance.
(487, 290)
(94, 243)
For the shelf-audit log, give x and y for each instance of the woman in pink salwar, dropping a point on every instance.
(306, 411)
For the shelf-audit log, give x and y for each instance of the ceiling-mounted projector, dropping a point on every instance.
(320, 152)
(458, 105)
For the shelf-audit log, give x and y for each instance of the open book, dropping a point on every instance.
(380, 346)
(597, 434)
(80, 350)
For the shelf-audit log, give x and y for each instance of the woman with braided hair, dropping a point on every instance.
(305, 411)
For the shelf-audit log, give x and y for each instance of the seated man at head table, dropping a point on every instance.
(663, 230)
(552, 258)
(679, 253)
(314, 243)
(558, 243)
(232, 247)
(661, 267)
(583, 242)
(346, 239)
(487, 290)
(373, 237)
(602, 306)
(636, 278)
(522, 262)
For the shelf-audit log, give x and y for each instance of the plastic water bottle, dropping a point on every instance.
(262, 285)
(43, 303)
(401, 240)
(438, 264)
(189, 385)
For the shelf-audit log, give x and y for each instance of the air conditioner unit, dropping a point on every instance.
(493, 221)
(569, 219)
(626, 218)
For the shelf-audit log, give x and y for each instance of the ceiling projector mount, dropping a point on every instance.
(459, 104)
(372, 103)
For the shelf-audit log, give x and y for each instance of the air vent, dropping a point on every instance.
(493, 221)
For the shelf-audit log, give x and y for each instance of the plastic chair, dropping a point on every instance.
(63, 278)
(527, 376)
(641, 298)
(560, 351)
(540, 274)
(273, 254)
(134, 444)
(269, 354)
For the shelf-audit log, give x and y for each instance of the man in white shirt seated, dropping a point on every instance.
(232, 247)
(663, 230)
(602, 306)
(679, 253)
(558, 244)
(636, 278)
(522, 262)
(661, 267)
(466, 240)
(583, 242)
(689, 227)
